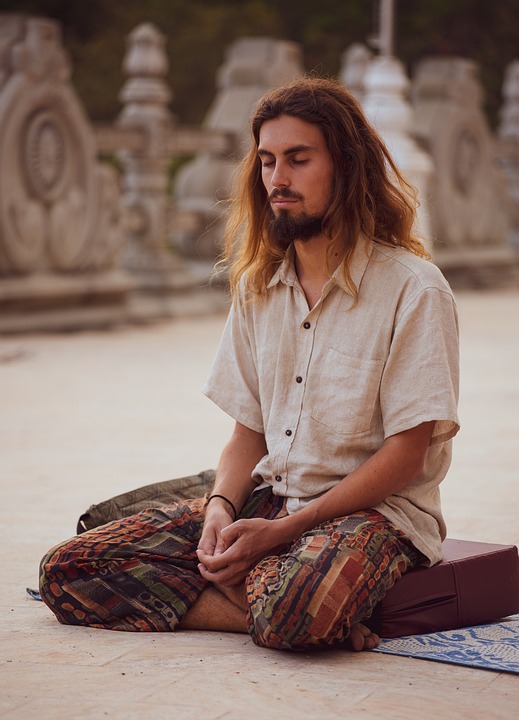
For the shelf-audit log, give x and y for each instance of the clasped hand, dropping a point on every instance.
(229, 550)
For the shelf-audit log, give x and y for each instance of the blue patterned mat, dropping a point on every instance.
(491, 647)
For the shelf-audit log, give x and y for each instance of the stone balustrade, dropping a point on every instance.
(81, 245)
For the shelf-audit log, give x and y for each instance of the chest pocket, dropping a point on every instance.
(347, 392)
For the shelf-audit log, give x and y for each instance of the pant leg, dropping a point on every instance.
(139, 573)
(331, 578)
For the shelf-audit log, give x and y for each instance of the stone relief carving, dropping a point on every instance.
(509, 146)
(44, 155)
(51, 211)
(467, 192)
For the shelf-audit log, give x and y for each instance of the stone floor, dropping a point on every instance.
(85, 416)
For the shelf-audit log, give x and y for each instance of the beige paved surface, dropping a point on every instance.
(85, 416)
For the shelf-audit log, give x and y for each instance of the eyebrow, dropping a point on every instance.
(289, 151)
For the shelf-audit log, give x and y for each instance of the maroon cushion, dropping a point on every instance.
(475, 583)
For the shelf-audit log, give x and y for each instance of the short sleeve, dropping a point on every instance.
(233, 381)
(420, 382)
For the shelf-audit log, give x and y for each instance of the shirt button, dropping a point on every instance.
(288, 432)
(278, 478)
(299, 379)
(306, 325)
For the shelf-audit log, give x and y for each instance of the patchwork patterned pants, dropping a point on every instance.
(140, 574)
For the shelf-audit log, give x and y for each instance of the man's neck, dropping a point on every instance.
(313, 267)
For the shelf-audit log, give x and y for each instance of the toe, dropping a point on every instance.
(361, 638)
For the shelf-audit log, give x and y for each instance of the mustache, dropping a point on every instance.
(284, 193)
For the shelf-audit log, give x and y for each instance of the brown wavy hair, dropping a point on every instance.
(369, 198)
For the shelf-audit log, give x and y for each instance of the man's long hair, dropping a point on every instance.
(370, 197)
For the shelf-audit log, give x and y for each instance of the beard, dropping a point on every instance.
(285, 228)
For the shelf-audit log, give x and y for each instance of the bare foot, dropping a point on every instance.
(361, 638)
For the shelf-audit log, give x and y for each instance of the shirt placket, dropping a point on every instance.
(305, 340)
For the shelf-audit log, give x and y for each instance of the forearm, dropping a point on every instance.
(239, 545)
(237, 461)
(243, 543)
(395, 465)
(234, 482)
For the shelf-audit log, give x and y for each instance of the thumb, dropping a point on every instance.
(207, 545)
(230, 534)
(221, 545)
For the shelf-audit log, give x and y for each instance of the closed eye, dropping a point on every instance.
(293, 161)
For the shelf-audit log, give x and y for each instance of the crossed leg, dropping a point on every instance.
(320, 592)
(224, 609)
(140, 574)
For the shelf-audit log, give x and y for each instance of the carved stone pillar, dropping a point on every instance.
(386, 105)
(355, 62)
(145, 97)
(60, 212)
(508, 133)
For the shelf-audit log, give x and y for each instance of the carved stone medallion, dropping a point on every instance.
(45, 155)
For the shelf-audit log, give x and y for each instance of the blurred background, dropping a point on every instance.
(122, 124)
(198, 32)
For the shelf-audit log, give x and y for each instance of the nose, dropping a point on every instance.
(279, 177)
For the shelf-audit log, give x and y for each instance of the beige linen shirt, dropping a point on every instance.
(327, 386)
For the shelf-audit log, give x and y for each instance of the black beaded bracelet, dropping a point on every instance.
(226, 500)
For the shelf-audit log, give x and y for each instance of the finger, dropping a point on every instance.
(232, 532)
(226, 577)
(203, 557)
(207, 544)
(230, 552)
(218, 576)
(212, 562)
(221, 546)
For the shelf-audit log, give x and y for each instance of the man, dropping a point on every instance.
(339, 364)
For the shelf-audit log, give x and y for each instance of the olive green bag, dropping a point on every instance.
(154, 495)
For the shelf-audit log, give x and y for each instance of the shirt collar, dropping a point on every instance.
(286, 272)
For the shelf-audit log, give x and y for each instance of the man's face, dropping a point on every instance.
(297, 172)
